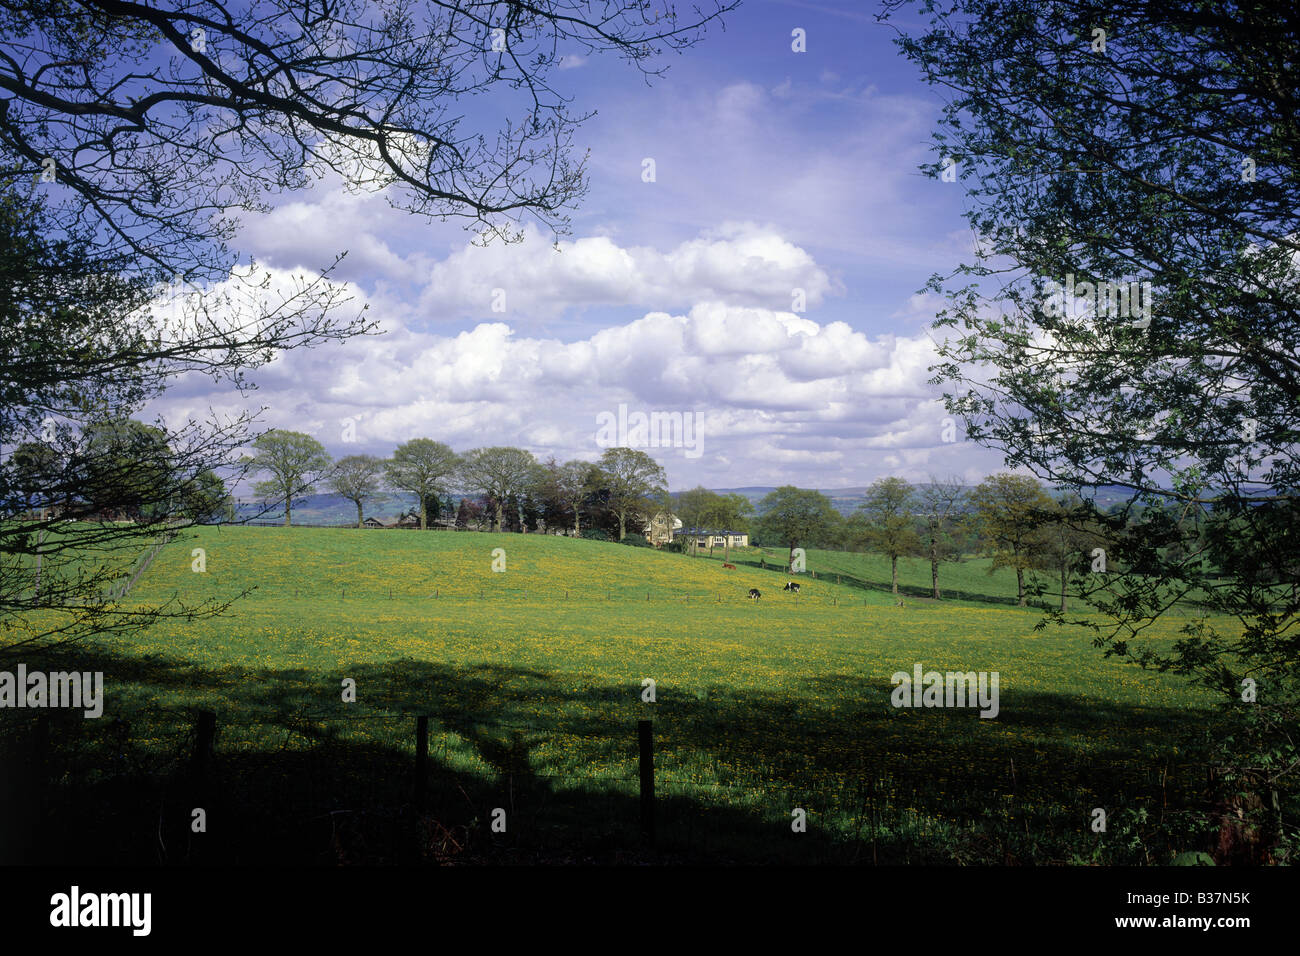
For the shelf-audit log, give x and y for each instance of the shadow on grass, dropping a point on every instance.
(298, 776)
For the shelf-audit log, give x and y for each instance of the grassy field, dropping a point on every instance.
(533, 679)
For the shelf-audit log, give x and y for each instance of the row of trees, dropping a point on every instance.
(625, 485)
(1010, 518)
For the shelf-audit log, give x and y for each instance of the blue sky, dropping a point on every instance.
(774, 170)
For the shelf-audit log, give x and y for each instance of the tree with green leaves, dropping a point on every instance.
(425, 468)
(34, 469)
(939, 505)
(796, 517)
(497, 473)
(565, 488)
(1133, 315)
(295, 462)
(1009, 509)
(127, 469)
(630, 478)
(694, 506)
(204, 499)
(1066, 538)
(358, 478)
(890, 522)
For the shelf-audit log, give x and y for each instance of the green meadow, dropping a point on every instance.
(533, 679)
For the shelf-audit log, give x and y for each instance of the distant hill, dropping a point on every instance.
(333, 509)
(847, 500)
(328, 509)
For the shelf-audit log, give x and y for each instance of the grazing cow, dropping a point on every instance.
(792, 586)
(754, 594)
(726, 565)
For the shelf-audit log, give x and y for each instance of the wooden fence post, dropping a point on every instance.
(205, 734)
(645, 742)
(421, 758)
(41, 775)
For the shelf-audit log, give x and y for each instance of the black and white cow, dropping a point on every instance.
(792, 586)
(754, 594)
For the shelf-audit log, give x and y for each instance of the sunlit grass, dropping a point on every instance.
(761, 706)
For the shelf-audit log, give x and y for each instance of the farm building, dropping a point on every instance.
(704, 538)
(661, 527)
(408, 520)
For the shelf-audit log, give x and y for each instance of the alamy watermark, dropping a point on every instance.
(654, 430)
(70, 689)
(951, 689)
(77, 909)
(1118, 300)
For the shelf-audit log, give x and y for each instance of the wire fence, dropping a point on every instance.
(119, 591)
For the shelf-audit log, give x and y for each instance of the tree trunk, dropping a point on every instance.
(622, 525)
(1063, 573)
(288, 510)
(577, 524)
(359, 515)
(726, 551)
(1020, 586)
(934, 568)
(789, 561)
(424, 513)
(500, 515)
(894, 562)
(40, 539)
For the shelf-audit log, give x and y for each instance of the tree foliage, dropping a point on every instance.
(423, 467)
(358, 478)
(294, 461)
(497, 472)
(631, 480)
(1009, 510)
(939, 504)
(890, 523)
(796, 517)
(1165, 155)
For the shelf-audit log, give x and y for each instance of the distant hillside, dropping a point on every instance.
(847, 500)
(328, 509)
(337, 510)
